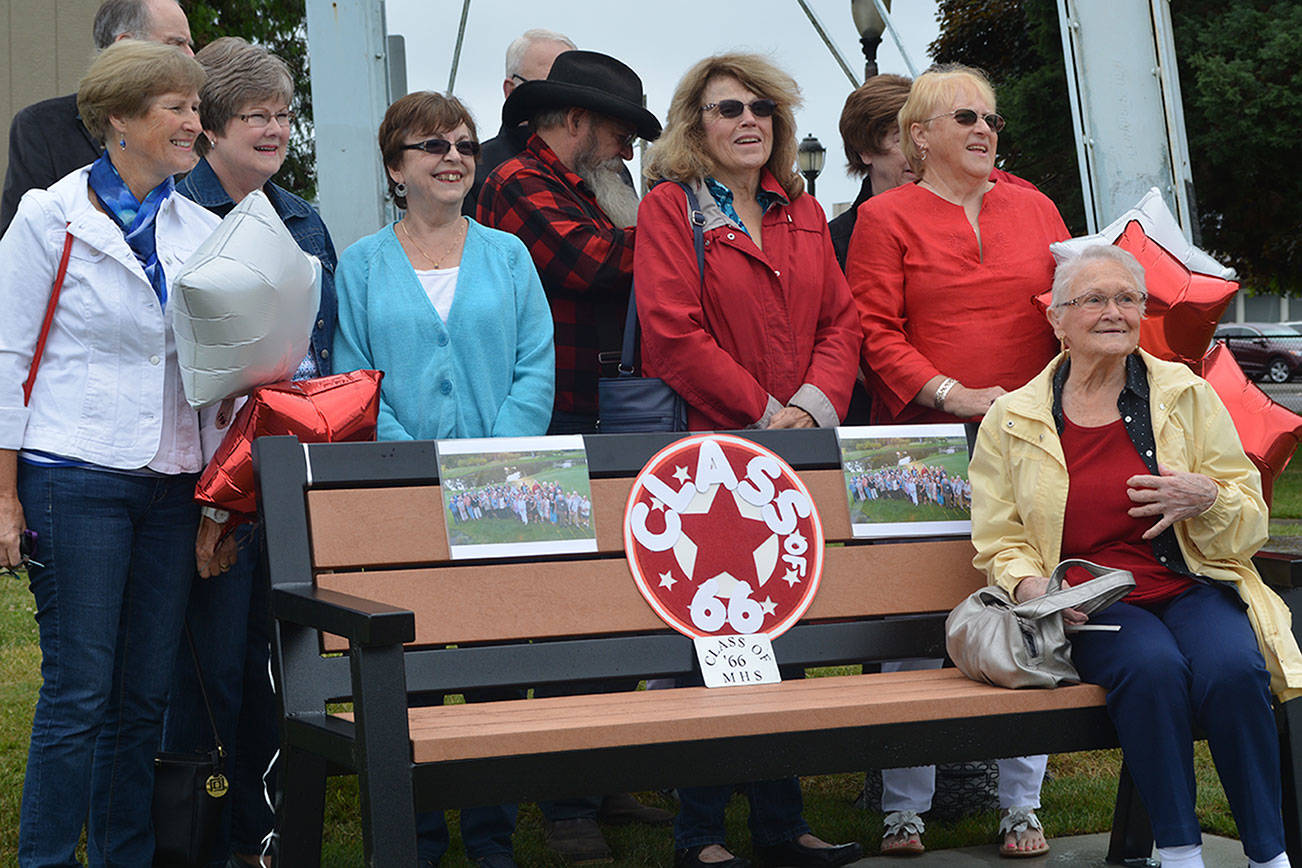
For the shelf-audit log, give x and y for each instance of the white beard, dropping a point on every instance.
(614, 195)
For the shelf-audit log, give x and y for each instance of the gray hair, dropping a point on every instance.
(548, 118)
(117, 18)
(238, 73)
(1067, 272)
(515, 51)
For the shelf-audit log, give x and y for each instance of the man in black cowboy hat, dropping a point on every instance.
(563, 198)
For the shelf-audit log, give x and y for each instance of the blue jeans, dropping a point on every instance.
(485, 831)
(775, 808)
(118, 552)
(230, 619)
(1193, 659)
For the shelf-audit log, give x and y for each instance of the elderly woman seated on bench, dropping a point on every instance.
(1116, 456)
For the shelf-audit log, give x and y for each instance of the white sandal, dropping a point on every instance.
(903, 835)
(1019, 821)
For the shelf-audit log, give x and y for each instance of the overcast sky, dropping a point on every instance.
(660, 39)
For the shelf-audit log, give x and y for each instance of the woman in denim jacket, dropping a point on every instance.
(246, 126)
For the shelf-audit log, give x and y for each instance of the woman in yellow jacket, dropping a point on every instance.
(1113, 455)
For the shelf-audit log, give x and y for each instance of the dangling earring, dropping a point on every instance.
(922, 154)
(122, 143)
(400, 189)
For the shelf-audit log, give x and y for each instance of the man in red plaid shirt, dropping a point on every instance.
(563, 196)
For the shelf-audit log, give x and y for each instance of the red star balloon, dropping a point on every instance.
(1183, 306)
(332, 409)
(1268, 431)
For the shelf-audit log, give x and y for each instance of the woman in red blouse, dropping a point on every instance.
(943, 270)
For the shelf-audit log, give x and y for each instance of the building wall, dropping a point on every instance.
(45, 48)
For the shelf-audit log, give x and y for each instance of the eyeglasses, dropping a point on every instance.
(1096, 302)
(625, 139)
(439, 147)
(258, 120)
(968, 117)
(523, 80)
(732, 108)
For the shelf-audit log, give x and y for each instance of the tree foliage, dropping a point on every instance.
(1241, 83)
(279, 26)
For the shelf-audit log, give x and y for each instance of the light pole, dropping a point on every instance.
(809, 157)
(868, 21)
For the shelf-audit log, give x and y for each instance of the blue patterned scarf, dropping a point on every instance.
(135, 219)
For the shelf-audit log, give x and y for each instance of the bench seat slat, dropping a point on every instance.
(598, 597)
(479, 730)
(405, 525)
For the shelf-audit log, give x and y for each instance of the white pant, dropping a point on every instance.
(911, 789)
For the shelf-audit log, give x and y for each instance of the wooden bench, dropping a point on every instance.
(358, 558)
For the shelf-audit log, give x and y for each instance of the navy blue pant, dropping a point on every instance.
(775, 808)
(1191, 661)
(230, 619)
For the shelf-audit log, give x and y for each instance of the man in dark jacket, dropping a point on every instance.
(47, 140)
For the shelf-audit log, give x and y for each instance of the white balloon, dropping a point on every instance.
(243, 305)
(1160, 225)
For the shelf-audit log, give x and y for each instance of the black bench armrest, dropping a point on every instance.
(1280, 570)
(357, 619)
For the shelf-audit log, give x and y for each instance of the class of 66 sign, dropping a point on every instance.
(723, 538)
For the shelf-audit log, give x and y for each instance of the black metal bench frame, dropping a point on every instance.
(382, 679)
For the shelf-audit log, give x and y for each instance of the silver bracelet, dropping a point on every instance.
(943, 390)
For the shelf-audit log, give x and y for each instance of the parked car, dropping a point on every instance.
(1267, 351)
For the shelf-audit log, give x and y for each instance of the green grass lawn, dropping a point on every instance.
(1077, 797)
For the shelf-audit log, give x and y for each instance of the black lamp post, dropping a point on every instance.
(809, 157)
(870, 25)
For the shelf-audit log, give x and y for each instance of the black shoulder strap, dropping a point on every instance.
(697, 219)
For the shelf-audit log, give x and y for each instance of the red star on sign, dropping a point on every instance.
(728, 533)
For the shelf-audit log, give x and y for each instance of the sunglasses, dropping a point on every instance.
(439, 147)
(968, 117)
(732, 108)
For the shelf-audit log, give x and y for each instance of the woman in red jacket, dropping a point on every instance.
(943, 270)
(768, 339)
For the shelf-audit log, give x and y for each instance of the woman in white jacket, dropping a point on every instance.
(101, 460)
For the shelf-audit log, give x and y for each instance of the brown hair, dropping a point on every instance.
(125, 78)
(680, 153)
(871, 111)
(930, 90)
(423, 113)
(238, 74)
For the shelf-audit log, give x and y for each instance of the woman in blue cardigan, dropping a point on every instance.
(451, 311)
(454, 315)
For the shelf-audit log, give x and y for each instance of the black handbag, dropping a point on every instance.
(189, 795)
(629, 403)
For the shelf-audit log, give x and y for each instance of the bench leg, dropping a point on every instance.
(1290, 755)
(1132, 836)
(301, 812)
(383, 756)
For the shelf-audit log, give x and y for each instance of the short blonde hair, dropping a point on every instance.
(931, 90)
(238, 73)
(680, 153)
(125, 78)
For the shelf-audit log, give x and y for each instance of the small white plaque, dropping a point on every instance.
(727, 661)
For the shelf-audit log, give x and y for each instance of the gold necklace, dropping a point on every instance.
(456, 239)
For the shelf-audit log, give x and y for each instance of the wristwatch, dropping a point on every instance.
(220, 516)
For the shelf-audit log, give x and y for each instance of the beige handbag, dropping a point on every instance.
(994, 639)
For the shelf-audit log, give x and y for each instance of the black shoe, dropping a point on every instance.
(691, 858)
(496, 860)
(793, 854)
(622, 808)
(579, 841)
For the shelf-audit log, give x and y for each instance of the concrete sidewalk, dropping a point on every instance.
(1078, 850)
